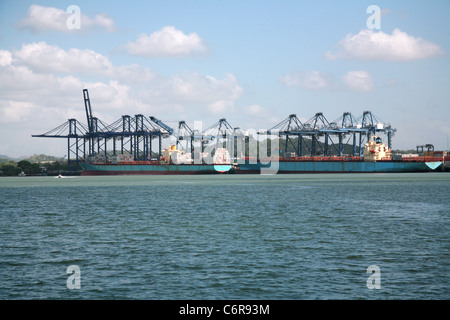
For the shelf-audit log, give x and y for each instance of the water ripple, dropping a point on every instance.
(226, 237)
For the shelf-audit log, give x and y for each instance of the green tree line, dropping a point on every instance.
(12, 168)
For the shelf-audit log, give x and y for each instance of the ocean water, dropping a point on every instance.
(208, 237)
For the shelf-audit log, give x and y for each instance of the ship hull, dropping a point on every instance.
(336, 167)
(150, 169)
(250, 168)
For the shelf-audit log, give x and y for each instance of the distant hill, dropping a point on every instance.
(33, 159)
(41, 158)
(3, 157)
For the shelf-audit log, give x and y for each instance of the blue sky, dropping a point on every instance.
(251, 62)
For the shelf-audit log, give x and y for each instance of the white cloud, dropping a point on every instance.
(41, 87)
(221, 107)
(358, 81)
(41, 57)
(30, 96)
(203, 93)
(100, 20)
(260, 118)
(49, 78)
(167, 42)
(314, 80)
(14, 111)
(41, 19)
(309, 80)
(254, 110)
(47, 58)
(372, 45)
(194, 87)
(5, 58)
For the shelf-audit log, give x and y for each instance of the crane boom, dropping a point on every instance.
(87, 106)
(162, 124)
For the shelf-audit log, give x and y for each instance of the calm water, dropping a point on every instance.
(226, 237)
